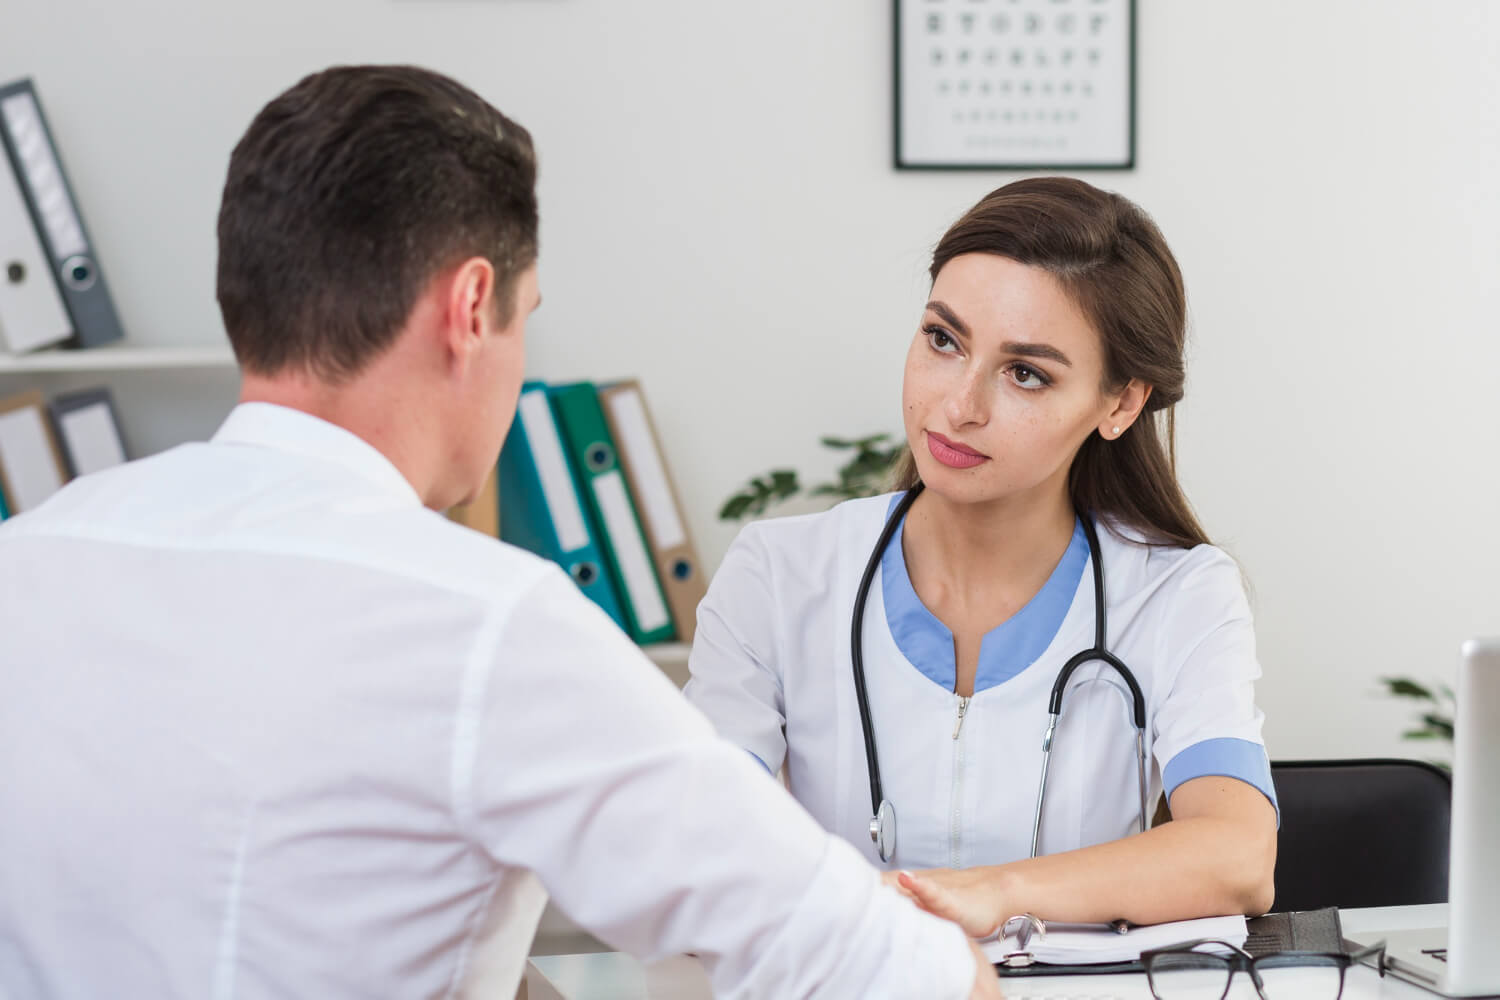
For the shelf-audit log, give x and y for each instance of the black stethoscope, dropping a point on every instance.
(883, 820)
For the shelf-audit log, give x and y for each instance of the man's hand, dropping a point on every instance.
(986, 983)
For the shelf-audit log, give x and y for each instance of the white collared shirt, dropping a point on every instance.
(771, 668)
(268, 727)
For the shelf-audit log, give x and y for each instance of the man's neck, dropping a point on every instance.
(374, 410)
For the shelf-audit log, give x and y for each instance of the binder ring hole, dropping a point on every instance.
(599, 457)
(681, 569)
(585, 573)
(78, 273)
(15, 272)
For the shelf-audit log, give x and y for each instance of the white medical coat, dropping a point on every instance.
(771, 667)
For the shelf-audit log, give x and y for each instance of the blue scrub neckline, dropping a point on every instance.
(1005, 650)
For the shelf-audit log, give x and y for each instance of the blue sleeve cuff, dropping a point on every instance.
(1243, 760)
(762, 763)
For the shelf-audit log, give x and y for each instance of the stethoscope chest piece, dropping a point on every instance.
(883, 830)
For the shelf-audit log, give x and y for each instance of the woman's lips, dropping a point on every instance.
(953, 454)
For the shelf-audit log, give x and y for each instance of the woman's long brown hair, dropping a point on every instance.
(1114, 263)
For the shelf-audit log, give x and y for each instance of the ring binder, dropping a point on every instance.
(661, 513)
(31, 309)
(540, 507)
(31, 466)
(55, 216)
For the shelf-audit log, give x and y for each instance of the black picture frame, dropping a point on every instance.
(900, 159)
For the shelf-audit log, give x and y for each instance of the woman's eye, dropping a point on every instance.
(1027, 377)
(940, 340)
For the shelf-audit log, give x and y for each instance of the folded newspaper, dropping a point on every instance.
(1054, 943)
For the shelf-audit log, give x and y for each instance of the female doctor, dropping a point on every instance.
(903, 656)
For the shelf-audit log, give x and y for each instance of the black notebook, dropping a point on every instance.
(1299, 930)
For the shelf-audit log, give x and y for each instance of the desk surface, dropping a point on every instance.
(613, 976)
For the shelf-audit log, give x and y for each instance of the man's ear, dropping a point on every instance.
(1125, 411)
(470, 306)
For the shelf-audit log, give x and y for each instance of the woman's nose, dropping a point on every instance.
(968, 402)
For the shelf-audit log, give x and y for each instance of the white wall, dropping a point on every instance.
(720, 218)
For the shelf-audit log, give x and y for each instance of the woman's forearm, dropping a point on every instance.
(1216, 857)
(1202, 866)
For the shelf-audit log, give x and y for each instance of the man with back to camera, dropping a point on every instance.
(271, 726)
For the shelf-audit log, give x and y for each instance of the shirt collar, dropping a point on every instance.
(281, 428)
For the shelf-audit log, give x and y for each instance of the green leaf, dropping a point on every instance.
(1401, 687)
(867, 463)
(833, 442)
(734, 508)
(1419, 734)
(1442, 726)
(784, 481)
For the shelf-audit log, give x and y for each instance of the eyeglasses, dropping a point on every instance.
(1183, 972)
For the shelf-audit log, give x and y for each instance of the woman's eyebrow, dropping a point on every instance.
(1031, 350)
(1025, 349)
(950, 317)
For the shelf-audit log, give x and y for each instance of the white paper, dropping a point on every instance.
(30, 467)
(1074, 944)
(1040, 82)
(93, 440)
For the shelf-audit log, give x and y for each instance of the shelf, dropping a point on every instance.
(667, 654)
(108, 359)
(672, 657)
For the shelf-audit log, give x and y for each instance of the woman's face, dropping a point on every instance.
(1003, 383)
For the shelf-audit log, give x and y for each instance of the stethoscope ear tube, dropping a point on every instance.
(882, 813)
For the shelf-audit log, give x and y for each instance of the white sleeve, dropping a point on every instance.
(735, 680)
(1207, 723)
(591, 770)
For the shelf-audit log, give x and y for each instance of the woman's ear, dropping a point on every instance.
(1127, 408)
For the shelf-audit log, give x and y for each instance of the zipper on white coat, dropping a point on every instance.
(954, 839)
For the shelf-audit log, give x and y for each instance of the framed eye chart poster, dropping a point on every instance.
(1015, 84)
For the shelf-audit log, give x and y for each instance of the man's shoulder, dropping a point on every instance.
(201, 498)
(469, 560)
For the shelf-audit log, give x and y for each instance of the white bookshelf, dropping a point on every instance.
(142, 357)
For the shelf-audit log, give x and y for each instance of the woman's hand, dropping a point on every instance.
(970, 897)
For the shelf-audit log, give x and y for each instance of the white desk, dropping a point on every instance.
(613, 976)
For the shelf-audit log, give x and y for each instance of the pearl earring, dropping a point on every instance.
(1117, 432)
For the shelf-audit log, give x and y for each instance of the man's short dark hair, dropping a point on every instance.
(348, 194)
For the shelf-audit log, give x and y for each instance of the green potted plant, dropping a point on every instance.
(1435, 708)
(865, 473)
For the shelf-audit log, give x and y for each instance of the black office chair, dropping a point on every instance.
(1361, 833)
